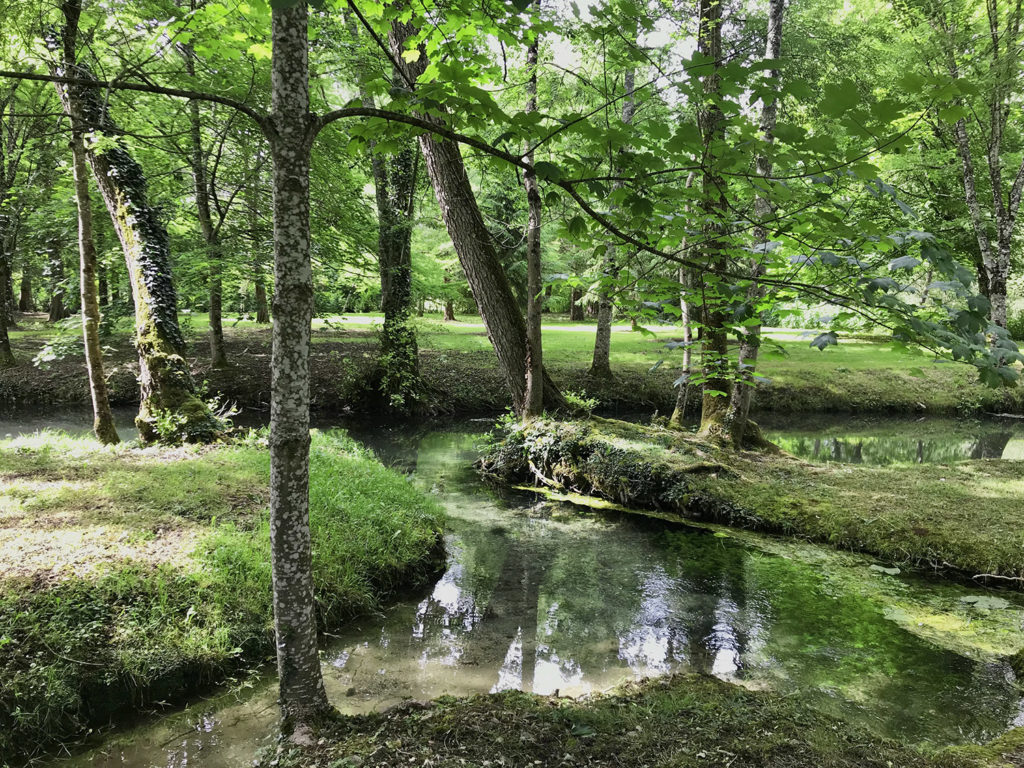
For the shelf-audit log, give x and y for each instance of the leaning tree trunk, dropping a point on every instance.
(291, 132)
(103, 419)
(533, 404)
(714, 343)
(750, 342)
(474, 245)
(165, 381)
(601, 366)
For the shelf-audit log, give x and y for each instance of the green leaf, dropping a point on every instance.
(548, 171)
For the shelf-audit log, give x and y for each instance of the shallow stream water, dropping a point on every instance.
(554, 598)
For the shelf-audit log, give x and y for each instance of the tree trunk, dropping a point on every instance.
(575, 308)
(218, 357)
(55, 270)
(262, 309)
(290, 132)
(683, 388)
(714, 344)
(395, 185)
(103, 419)
(25, 302)
(533, 404)
(449, 311)
(164, 377)
(502, 318)
(104, 289)
(750, 342)
(600, 366)
(7, 359)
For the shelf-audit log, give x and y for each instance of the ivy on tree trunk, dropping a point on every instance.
(168, 394)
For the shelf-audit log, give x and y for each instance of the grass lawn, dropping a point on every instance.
(861, 374)
(130, 576)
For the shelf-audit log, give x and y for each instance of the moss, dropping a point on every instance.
(684, 722)
(963, 518)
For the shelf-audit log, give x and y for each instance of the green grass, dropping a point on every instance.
(964, 517)
(136, 576)
(861, 374)
(683, 722)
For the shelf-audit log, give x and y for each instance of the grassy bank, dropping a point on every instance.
(132, 577)
(963, 517)
(864, 375)
(683, 722)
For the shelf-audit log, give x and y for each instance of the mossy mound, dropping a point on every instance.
(684, 722)
(964, 518)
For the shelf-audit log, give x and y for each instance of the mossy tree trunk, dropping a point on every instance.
(394, 179)
(168, 393)
(103, 419)
(475, 247)
(533, 404)
(291, 130)
(750, 342)
(714, 343)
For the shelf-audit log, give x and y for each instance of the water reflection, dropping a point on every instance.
(896, 441)
(540, 597)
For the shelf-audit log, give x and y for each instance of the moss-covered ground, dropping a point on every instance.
(963, 517)
(133, 577)
(683, 722)
(863, 374)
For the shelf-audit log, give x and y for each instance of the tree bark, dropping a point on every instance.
(7, 358)
(25, 301)
(291, 131)
(103, 419)
(197, 159)
(165, 380)
(575, 307)
(714, 344)
(996, 252)
(533, 401)
(55, 269)
(683, 389)
(600, 366)
(750, 341)
(474, 244)
(218, 357)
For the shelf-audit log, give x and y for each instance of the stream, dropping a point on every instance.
(560, 599)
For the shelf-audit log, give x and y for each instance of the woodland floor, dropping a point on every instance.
(132, 576)
(862, 374)
(683, 722)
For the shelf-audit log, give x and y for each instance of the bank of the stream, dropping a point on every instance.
(865, 375)
(136, 577)
(687, 721)
(964, 518)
